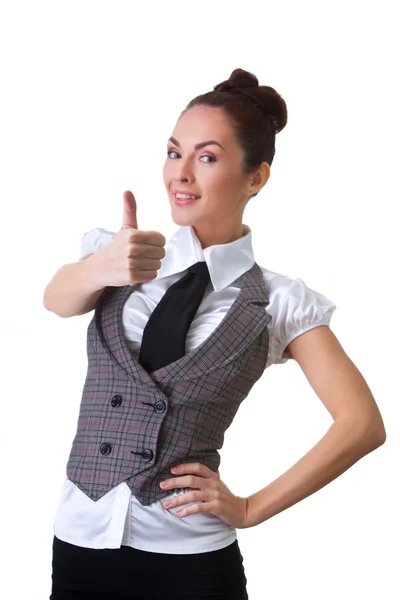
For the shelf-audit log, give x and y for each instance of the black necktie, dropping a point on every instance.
(165, 333)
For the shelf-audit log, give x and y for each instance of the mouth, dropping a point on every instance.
(184, 201)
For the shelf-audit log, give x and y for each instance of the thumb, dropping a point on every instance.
(129, 218)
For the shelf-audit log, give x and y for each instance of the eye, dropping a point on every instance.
(212, 158)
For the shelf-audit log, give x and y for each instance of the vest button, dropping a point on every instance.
(105, 448)
(116, 400)
(147, 455)
(159, 406)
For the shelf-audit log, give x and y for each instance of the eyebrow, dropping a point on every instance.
(197, 146)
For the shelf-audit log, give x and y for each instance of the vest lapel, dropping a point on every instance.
(243, 322)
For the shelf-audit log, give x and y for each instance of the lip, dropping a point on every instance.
(184, 201)
(185, 192)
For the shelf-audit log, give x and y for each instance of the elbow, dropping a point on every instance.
(380, 436)
(367, 433)
(373, 434)
(46, 301)
(50, 309)
(46, 305)
(374, 430)
(375, 437)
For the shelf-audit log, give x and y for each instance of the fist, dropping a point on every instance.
(132, 256)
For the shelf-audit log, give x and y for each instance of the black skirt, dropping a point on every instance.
(125, 572)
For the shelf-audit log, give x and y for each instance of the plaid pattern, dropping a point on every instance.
(134, 426)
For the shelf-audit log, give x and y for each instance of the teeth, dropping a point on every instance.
(185, 196)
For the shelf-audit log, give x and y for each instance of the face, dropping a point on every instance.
(213, 172)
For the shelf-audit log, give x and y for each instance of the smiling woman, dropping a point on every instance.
(177, 341)
(232, 161)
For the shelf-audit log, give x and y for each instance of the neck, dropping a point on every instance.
(209, 237)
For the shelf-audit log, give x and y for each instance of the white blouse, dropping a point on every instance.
(118, 518)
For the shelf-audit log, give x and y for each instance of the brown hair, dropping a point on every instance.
(256, 113)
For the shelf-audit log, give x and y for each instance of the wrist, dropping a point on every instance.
(253, 513)
(93, 271)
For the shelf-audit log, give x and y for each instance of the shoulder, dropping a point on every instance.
(295, 308)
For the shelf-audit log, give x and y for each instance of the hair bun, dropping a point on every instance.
(239, 79)
(267, 98)
(254, 122)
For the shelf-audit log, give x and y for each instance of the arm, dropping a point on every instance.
(74, 289)
(357, 428)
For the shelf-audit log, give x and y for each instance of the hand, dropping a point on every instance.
(211, 493)
(133, 255)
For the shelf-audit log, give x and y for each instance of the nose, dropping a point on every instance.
(183, 173)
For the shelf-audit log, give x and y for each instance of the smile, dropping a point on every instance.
(184, 201)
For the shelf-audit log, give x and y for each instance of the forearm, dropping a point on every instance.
(342, 446)
(74, 288)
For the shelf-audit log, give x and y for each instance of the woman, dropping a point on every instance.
(115, 536)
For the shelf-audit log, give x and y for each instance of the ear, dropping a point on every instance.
(259, 178)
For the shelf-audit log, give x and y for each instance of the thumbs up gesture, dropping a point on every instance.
(132, 256)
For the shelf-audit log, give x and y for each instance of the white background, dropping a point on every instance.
(90, 93)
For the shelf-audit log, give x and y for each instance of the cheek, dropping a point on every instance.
(222, 185)
(167, 175)
(215, 180)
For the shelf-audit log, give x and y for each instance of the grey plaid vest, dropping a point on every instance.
(134, 426)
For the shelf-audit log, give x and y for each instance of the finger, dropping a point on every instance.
(194, 467)
(194, 508)
(129, 218)
(192, 496)
(184, 481)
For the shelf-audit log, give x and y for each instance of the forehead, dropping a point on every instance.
(201, 123)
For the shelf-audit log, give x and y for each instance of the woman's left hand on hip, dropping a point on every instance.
(211, 495)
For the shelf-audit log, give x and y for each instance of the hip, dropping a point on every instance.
(127, 572)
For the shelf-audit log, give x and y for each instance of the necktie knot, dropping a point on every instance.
(201, 269)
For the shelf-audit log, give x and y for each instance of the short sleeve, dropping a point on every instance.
(95, 240)
(300, 310)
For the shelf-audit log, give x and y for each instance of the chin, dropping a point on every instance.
(181, 219)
